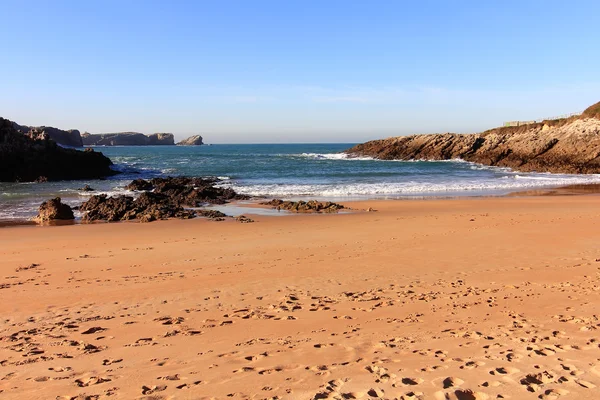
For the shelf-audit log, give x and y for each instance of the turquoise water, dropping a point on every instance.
(298, 171)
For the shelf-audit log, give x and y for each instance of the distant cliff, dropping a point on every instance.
(71, 137)
(195, 140)
(27, 159)
(127, 139)
(560, 146)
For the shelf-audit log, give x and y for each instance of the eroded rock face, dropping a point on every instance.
(562, 146)
(71, 137)
(127, 139)
(54, 209)
(195, 140)
(25, 159)
(305, 206)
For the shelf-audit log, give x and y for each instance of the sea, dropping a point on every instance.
(287, 171)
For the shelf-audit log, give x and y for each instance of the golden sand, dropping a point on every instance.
(437, 299)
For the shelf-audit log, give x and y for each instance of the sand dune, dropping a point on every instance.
(438, 299)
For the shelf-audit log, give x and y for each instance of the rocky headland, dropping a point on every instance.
(70, 138)
(570, 145)
(128, 139)
(195, 140)
(24, 158)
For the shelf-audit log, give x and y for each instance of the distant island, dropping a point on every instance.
(195, 140)
(74, 138)
(567, 145)
(128, 139)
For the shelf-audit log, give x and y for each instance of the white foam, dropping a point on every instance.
(332, 156)
(411, 188)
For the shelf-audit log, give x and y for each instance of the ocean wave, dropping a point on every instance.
(507, 184)
(350, 157)
(331, 156)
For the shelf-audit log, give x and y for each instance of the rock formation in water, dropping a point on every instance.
(23, 159)
(127, 139)
(195, 140)
(54, 209)
(167, 199)
(569, 145)
(71, 137)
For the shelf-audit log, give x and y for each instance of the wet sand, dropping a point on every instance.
(438, 299)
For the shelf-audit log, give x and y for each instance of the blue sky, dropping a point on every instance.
(295, 71)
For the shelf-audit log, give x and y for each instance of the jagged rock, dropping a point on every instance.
(102, 207)
(569, 145)
(23, 159)
(127, 139)
(86, 188)
(54, 209)
(195, 140)
(212, 214)
(139, 184)
(166, 200)
(305, 206)
(188, 191)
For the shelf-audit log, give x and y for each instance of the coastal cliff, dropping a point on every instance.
(559, 146)
(195, 140)
(127, 139)
(71, 137)
(27, 159)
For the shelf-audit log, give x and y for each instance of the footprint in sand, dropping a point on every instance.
(153, 389)
(94, 380)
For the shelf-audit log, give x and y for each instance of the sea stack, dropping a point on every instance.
(195, 140)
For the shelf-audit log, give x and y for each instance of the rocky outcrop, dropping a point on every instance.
(54, 209)
(168, 199)
(192, 192)
(24, 159)
(312, 206)
(560, 146)
(146, 208)
(195, 140)
(128, 139)
(70, 138)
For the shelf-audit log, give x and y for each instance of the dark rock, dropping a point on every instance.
(23, 159)
(569, 145)
(102, 207)
(86, 188)
(312, 206)
(127, 139)
(212, 214)
(244, 220)
(139, 184)
(54, 209)
(166, 200)
(192, 192)
(195, 140)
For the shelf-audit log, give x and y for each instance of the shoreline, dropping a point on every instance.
(568, 190)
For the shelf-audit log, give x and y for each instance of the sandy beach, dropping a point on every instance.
(429, 299)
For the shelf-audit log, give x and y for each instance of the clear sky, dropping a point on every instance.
(295, 71)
